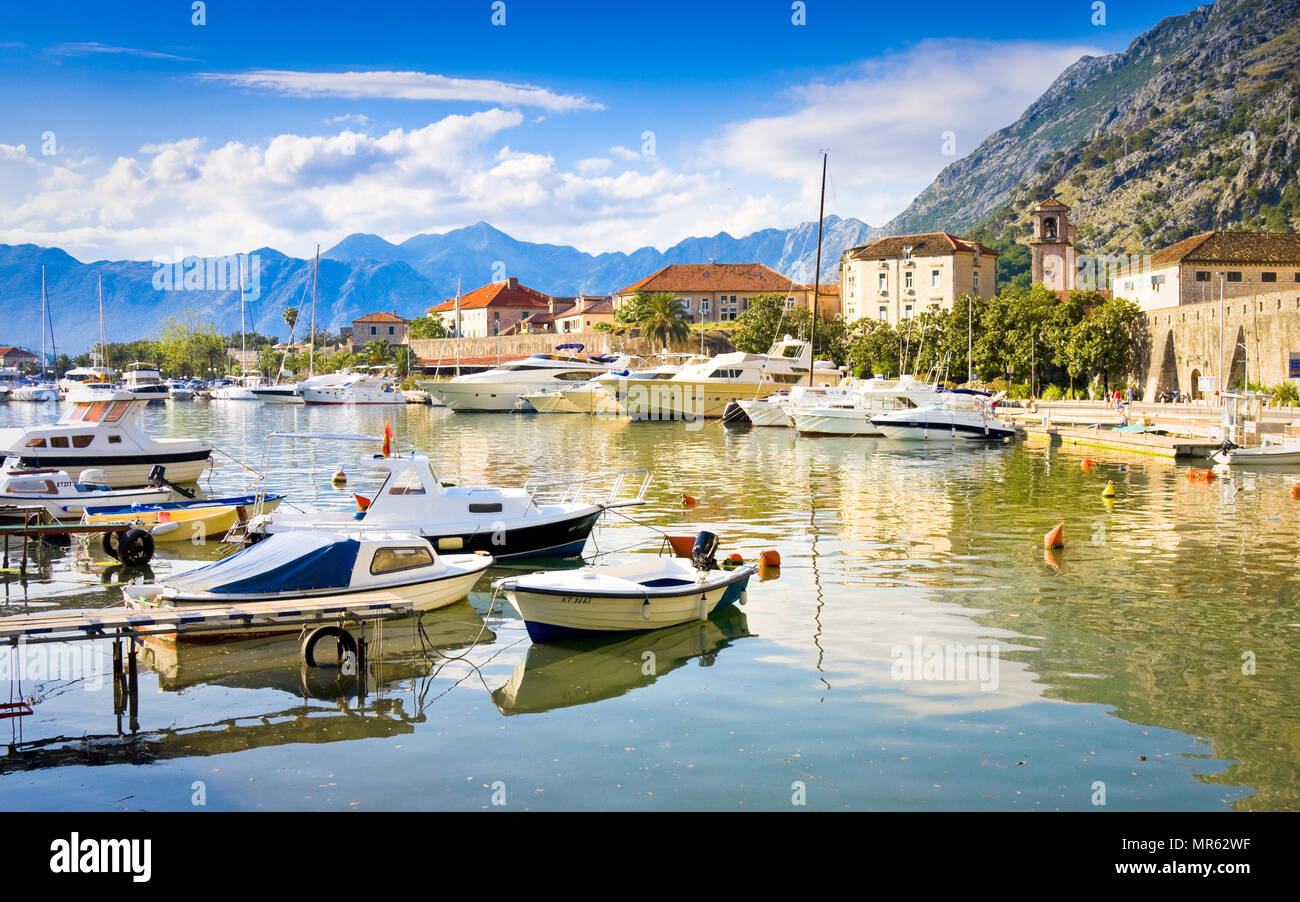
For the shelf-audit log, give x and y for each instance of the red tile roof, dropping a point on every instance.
(1232, 248)
(498, 294)
(928, 244)
(589, 306)
(379, 318)
(707, 277)
(16, 352)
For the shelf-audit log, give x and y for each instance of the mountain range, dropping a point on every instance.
(362, 274)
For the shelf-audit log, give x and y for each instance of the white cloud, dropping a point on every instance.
(402, 86)
(91, 48)
(884, 123)
(292, 191)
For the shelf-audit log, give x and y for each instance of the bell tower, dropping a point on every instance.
(1052, 246)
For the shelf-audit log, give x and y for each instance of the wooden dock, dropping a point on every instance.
(1171, 446)
(71, 626)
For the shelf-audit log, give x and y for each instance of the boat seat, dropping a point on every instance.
(665, 581)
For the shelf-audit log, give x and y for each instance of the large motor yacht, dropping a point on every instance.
(501, 389)
(703, 390)
(964, 416)
(144, 381)
(364, 385)
(101, 430)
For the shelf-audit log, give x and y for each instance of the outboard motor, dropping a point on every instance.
(706, 543)
(158, 479)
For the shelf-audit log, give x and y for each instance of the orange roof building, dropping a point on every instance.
(716, 292)
(492, 309)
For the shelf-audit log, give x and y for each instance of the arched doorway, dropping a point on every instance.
(1196, 385)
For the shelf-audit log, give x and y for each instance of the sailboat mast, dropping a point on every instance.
(817, 279)
(102, 343)
(243, 345)
(311, 351)
(42, 323)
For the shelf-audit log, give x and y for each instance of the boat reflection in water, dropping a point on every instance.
(579, 671)
(330, 706)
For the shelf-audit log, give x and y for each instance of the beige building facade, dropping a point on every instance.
(1211, 265)
(720, 292)
(899, 277)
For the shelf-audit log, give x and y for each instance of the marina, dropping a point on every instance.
(821, 638)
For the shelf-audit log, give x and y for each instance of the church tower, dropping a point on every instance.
(1053, 246)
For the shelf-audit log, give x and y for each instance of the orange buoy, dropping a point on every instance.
(688, 501)
(362, 501)
(1050, 558)
(735, 558)
(1055, 538)
(1087, 464)
(1200, 475)
(1295, 492)
(769, 558)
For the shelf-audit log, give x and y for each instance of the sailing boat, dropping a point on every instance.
(42, 390)
(278, 392)
(97, 375)
(237, 391)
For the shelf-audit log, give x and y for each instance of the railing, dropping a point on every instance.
(602, 489)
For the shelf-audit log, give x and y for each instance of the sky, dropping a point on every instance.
(137, 131)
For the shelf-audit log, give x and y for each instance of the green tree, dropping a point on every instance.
(762, 323)
(1107, 341)
(633, 310)
(427, 327)
(873, 348)
(663, 323)
(378, 352)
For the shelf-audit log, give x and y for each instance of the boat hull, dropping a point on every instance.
(550, 403)
(553, 615)
(943, 432)
(1258, 457)
(129, 470)
(764, 413)
(848, 423)
(482, 397)
(668, 400)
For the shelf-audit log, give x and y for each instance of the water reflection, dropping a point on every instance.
(583, 671)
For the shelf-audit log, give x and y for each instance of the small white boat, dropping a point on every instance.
(64, 498)
(179, 391)
(1261, 455)
(359, 566)
(955, 420)
(35, 391)
(101, 430)
(643, 594)
(277, 393)
(1245, 440)
(501, 388)
(849, 413)
(235, 390)
(85, 375)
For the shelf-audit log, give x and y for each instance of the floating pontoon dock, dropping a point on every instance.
(1171, 446)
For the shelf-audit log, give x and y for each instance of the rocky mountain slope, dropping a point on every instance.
(1195, 126)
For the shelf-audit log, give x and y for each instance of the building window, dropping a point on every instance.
(934, 278)
(907, 312)
(907, 279)
(1202, 275)
(1234, 276)
(390, 330)
(884, 312)
(704, 305)
(374, 330)
(907, 252)
(884, 281)
(1268, 277)
(789, 303)
(1297, 277)
(1156, 282)
(975, 282)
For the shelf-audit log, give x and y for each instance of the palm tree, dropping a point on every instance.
(291, 317)
(663, 324)
(379, 351)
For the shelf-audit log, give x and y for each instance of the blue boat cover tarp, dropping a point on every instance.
(327, 567)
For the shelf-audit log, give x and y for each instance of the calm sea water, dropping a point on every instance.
(1150, 661)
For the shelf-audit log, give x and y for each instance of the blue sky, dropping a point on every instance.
(295, 123)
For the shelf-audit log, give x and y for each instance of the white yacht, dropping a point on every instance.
(237, 389)
(703, 390)
(34, 391)
(65, 498)
(501, 388)
(85, 375)
(278, 393)
(964, 416)
(363, 385)
(775, 409)
(850, 413)
(102, 431)
(542, 519)
(144, 381)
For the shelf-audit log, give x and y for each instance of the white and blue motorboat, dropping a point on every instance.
(356, 566)
(643, 594)
(962, 417)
